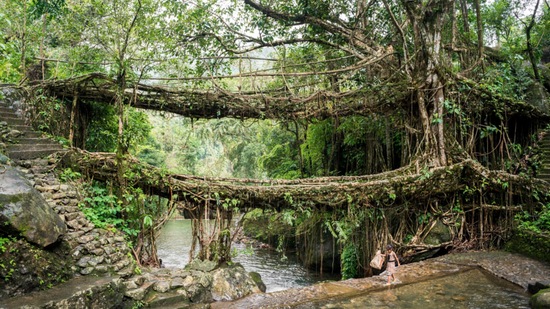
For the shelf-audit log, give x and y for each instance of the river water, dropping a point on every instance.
(277, 272)
(470, 289)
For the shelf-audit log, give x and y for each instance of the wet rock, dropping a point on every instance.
(162, 286)
(204, 266)
(96, 260)
(534, 288)
(188, 281)
(177, 282)
(87, 270)
(257, 278)
(4, 159)
(199, 294)
(139, 293)
(83, 262)
(541, 300)
(439, 234)
(102, 269)
(232, 282)
(25, 211)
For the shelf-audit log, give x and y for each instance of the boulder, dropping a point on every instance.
(535, 287)
(24, 211)
(232, 282)
(257, 278)
(438, 235)
(541, 300)
(4, 159)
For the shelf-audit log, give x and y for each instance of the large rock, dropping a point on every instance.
(23, 210)
(541, 300)
(232, 282)
(438, 235)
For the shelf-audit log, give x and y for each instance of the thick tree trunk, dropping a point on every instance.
(427, 21)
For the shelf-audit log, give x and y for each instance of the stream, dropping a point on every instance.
(277, 273)
(474, 288)
(471, 289)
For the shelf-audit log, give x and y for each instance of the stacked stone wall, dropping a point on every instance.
(94, 250)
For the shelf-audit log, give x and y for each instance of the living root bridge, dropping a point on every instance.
(391, 189)
(212, 103)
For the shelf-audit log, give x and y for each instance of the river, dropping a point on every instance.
(475, 288)
(277, 273)
(471, 289)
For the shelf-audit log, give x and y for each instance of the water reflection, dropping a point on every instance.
(468, 290)
(278, 274)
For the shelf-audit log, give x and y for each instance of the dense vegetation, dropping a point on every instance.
(345, 88)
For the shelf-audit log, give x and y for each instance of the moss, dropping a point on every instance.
(540, 300)
(528, 243)
(28, 268)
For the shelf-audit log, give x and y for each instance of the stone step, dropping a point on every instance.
(34, 140)
(13, 120)
(31, 154)
(7, 114)
(30, 134)
(21, 127)
(30, 147)
(26, 131)
(139, 293)
(6, 107)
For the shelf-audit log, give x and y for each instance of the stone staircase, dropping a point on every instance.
(25, 143)
(544, 170)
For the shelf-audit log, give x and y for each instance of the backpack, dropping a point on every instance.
(376, 262)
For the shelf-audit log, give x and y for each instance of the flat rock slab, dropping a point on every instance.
(515, 268)
(408, 273)
(66, 293)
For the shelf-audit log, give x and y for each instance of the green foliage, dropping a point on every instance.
(9, 62)
(317, 147)
(538, 222)
(68, 175)
(349, 261)
(4, 243)
(102, 208)
(103, 129)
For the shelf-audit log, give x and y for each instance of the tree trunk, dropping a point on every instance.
(121, 148)
(427, 21)
(530, 51)
(23, 42)
(480, 43)
(42, 54)
(73, 116)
